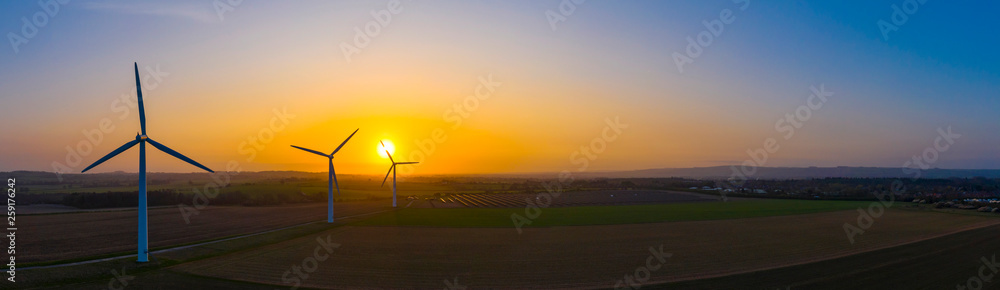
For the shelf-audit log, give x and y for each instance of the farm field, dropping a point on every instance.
(81, 235)
(253, 186)
(44, 189)
(167, 280)
(604, 215)
(37, 209)
(577, 256)
(940, 263)
(577, 198)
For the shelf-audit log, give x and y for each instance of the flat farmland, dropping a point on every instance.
(573, 198)
(940, 263)
(57, 237)
(605, 215)
(575, 256)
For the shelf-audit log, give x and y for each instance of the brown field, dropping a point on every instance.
(575, 256)
(56, 237)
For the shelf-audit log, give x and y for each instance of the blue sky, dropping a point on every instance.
(608, 58)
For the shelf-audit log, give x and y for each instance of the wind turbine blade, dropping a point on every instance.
(387, 152)
(387, 174)
(112, 154)
(345, 142)
(333, 173)
(138, 93)
(312, 151)
(407, 163)
(175, 154)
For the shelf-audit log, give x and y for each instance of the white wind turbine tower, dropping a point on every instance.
(332, 178)
(392, 169)
(142, 254)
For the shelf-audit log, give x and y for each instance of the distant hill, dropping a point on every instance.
(796, 173)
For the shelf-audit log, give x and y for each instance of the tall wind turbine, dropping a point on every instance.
(332, 179)
(392, 169)
(143, 254)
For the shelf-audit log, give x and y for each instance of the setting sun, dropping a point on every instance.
(388, 147)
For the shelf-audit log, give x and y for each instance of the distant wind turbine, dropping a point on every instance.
(143, 254)
(392, 169)
(332, 179)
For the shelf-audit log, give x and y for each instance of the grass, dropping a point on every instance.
(607, 215)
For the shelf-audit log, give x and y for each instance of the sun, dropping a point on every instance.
(388, 146)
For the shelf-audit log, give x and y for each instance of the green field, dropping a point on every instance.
(46, 189)
(362, 194)
(607, 215)
(351, 188)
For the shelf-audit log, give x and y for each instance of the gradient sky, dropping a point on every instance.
(607, 59)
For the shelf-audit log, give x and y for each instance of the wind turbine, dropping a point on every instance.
(392, 169)
(332, 179)
(143, 254)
